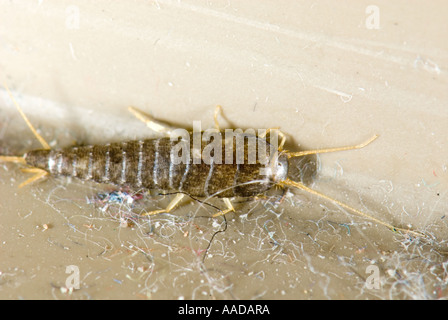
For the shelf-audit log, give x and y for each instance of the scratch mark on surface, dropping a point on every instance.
(359, 47)
(345, 97)
(72, 51)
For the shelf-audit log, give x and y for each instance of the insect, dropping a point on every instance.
(148, 164)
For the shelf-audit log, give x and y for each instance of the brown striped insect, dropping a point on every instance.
(147, 164)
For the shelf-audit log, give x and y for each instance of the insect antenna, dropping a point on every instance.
(301, 186)
(298, 185)
(307, 152)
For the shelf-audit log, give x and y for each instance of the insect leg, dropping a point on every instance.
(218, 110)
(229, 208)
(304, 153)
(281, 134)
(170, 207)
(155, 125)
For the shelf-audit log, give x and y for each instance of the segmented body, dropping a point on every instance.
(146, 164)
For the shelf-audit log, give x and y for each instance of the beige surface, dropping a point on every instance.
(312, 68)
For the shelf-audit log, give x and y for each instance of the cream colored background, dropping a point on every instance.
(312, 68)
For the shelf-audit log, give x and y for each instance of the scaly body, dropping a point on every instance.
(146, 164)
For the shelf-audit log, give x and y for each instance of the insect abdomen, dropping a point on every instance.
(147, 164)
(139, 163)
